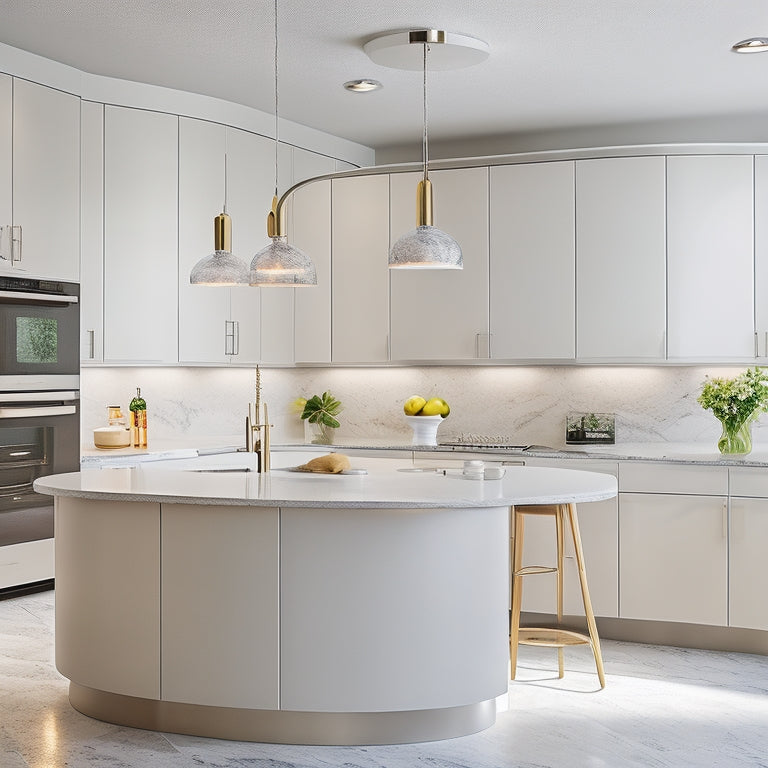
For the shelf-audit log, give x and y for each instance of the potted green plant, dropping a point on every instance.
(321, 411)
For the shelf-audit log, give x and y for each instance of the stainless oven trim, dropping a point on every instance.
(38, 298)
(17, 412)
(32, 382)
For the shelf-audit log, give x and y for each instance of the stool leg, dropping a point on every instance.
(573, 520)
(559, 517)
(517, 591)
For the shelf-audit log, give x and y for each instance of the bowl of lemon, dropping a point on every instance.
(424, 417)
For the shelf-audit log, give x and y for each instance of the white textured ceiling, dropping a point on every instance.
(554, 64)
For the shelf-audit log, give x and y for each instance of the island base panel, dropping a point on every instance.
(284, 727)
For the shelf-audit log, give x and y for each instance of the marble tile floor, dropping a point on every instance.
(662, 708)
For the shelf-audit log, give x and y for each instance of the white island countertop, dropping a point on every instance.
(384, 486)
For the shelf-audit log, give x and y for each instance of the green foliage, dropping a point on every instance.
(322, 410)
(733, 401)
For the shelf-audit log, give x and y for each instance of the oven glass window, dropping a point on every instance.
(36, 340)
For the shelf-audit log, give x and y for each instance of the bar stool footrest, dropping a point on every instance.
(532, 569)
(551, 637)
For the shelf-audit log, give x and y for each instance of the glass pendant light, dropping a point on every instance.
(425, 247)
(279, 263)
(222, 267)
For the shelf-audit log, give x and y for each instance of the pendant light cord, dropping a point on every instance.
(425, 137)
(277, 126)
(225, 170)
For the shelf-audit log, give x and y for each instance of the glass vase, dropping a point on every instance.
(736, 439)
(318, 434)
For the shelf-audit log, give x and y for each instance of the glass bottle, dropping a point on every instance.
(138, 408)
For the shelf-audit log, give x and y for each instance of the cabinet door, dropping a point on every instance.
(6, 170)
(710, 257)
(532, 261)
(310, 229)
(277, 303)
(92, 232)
(747, 605)
(620, 258)
(203, 310)
(761, 257)
(46, 179)
(673, 558)
(442, 314)
(250, 187)
(360, 280)
(140, 244)
(598, 524)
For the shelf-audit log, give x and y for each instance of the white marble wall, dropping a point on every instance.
(528, 404)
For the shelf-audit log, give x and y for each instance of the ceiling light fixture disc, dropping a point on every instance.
(448, 50)
(363, 86)
(751, 45)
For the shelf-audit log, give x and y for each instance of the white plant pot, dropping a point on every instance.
(424, 429)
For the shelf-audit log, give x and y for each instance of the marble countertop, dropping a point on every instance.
(382, 487)
(190, 446)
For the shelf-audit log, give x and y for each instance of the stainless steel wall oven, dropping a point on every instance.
(39, 420)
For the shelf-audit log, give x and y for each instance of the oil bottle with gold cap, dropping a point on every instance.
(138, 409)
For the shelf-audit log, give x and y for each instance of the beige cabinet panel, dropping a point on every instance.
(532, 233)
(360, 280)
(621, 258)
(309, 227)
(442, 314)
(46, 180)
(203, 310)
(140, 236)
(710, 257)
(761, 257)
(108, 595)
(207, 625)
(748, 605)
(673, 558)
(92, 232)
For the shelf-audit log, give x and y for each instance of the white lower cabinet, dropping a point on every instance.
(598, 524)
(747, 604)
(205, 550)
(673, 551)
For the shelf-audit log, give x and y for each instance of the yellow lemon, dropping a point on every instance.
(436, 406)
(413, 405)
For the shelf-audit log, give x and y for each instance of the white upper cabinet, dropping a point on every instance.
(46, 182)
(532, 261)
(710, 257)
(761, 257)
(309, 228)
(360, 280)
(620, 258)
(442, 314)
(140, 242)
(203, 310)
(6, 170)
(92, 232)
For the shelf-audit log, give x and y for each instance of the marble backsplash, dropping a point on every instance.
(526, 403)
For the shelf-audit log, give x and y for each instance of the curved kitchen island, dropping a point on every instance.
(291, 607)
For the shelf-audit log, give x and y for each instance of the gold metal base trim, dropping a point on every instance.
(284, 727)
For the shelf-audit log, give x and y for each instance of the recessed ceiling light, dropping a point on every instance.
(751, 45)
(363, 86)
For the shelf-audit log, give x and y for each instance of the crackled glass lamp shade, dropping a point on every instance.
(425, 247)
(281, 264)
(221, 267)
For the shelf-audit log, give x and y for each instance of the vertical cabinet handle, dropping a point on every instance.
(482, 346)
(757, 351)
(16, 252)
(231, 337)
(91, 344)
(725, 520)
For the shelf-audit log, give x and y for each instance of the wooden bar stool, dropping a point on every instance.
(550, 636)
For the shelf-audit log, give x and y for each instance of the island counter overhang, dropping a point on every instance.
(291, 607)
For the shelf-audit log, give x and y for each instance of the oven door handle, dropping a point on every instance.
(37, 397)
(43, 410)
(37, 298)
